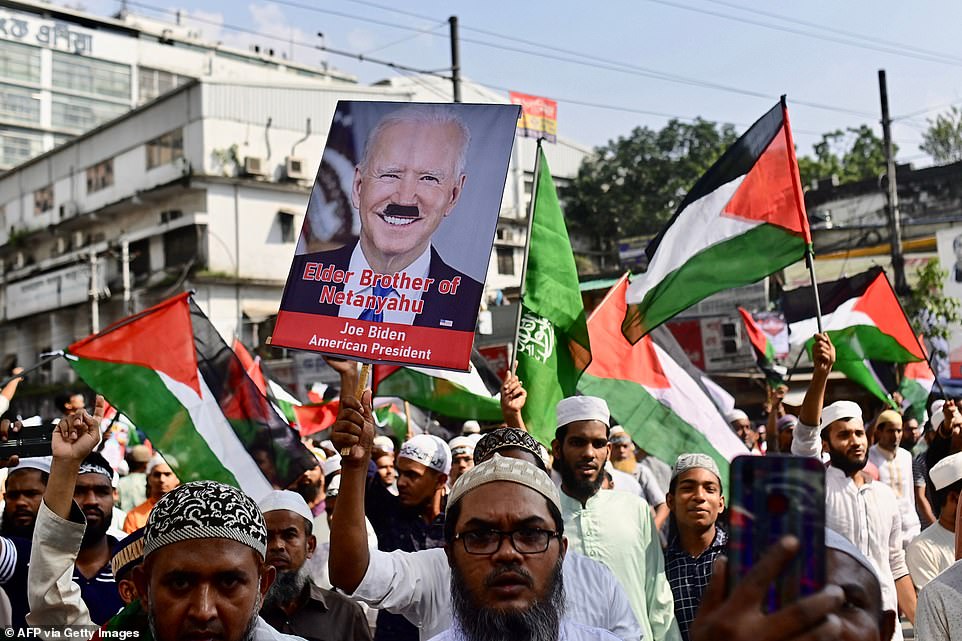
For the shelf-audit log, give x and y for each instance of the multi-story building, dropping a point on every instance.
(64, 72)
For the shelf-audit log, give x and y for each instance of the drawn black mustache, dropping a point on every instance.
(402, 211)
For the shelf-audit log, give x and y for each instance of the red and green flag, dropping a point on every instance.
(764, 350)
(651, 395)
(173, 375)
(865, 321)
(743, 220)
(552, 346)
(461, 395)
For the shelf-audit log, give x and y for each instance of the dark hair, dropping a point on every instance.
(453, 513)
(562, 432)
(941, 496)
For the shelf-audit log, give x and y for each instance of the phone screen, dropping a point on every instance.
(772, 496)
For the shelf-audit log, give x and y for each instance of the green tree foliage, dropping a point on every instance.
(943, 139)
(930, 311)
(852, 155)
(632, 185)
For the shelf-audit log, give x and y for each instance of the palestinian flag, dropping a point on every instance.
(316, 417)
(865, 321)
(461, 395)
(663, 408)
(172, 374)
(552, 344)
(916, 385)
(743, 220)
(764, 350)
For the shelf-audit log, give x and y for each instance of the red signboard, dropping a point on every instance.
(497, 357)
(539, 116)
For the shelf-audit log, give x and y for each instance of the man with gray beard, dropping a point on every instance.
(504, 539)
(294, 604)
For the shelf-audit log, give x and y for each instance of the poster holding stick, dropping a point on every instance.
(396, 241)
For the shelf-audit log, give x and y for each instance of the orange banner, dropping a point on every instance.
(539, 116)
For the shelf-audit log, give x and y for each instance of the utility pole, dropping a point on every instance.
(895, 225)
(455, 58)
(94, 294)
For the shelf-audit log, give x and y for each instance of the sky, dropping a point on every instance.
(620, 64)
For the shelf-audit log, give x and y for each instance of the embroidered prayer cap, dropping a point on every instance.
(96, 464)
(461, 445)
(694, 460)
(428, 450)
(889, 416)
(947, 471)
(286, 500)
(384, 443)
(736, 415)
(507, 438)
(512, 470)
(205, 510)
(41, 463)
(618, 435)
(128, 553)
(839, 410)
(583, 408)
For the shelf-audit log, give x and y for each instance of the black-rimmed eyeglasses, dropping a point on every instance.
(524, 540)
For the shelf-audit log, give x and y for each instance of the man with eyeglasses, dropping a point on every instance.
(417, 584)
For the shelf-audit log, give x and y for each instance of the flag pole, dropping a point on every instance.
(527, 245)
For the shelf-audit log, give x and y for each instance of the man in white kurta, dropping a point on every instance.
(933, 551)
(895, 470)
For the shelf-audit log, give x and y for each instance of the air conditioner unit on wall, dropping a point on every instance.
(254, 166)
(294, 168)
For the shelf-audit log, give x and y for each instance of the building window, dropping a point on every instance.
(165, 149)
(91, 76)
(19, 62)
(505, 261)
(155, 82)
(81, 114)
(286, 222)
(19, 104)
(43, 200)
(18, 147)
(100, 176)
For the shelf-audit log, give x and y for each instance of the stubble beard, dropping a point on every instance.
(247, 635)
(539, 622)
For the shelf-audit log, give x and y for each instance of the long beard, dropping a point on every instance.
(287, 586)
(217, 628)
(539, 622)
(577, 487)
(848, 465)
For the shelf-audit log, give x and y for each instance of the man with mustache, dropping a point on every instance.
(22, 494)
(863, 511)
(409, 179)
(294, 604)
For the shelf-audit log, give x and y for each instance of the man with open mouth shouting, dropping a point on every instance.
(409, 179)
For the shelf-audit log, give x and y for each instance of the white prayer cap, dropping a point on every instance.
(947, 471)
(384, 443)
(692, 461)
(839, 410)
(41, 463)
(334, 487)
(462, 445)
(156, 460)
(502, 468)
(286, 500)
(332, 464)
(736, 415)
(618, 435)
(428, 450)
(937, 417)
(835, 541)
(583, 408)
(471, 427)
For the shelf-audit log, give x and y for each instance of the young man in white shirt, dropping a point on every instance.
(895, 470)
(933, 551)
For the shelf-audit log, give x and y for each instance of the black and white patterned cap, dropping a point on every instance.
(205, 510)
(506, 438)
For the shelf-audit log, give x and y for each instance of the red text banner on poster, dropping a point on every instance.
(539, 116)
(497, 357)
(375, 342)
